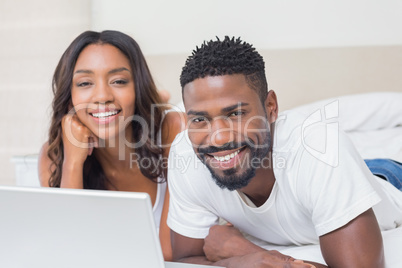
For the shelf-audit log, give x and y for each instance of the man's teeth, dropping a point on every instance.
(226, 157)
(105, 114)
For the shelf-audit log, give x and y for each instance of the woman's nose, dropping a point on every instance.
(102, 93)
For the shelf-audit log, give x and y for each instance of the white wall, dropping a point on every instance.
(33, 36)
(177, 26)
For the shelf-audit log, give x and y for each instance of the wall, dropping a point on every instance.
(33, 36)
(163, 28)
(303, 75)
(177, 26)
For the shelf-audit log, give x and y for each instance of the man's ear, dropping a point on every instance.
(271, 106)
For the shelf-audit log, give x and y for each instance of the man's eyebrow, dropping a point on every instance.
(224, 110)
(200, 113)
(232, 107)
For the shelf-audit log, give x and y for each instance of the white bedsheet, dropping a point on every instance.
(392, 240)
(380, 143)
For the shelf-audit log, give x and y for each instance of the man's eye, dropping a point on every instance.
(199, 119)
(237, 113)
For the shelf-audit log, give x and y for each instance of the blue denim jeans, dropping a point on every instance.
(387, 169)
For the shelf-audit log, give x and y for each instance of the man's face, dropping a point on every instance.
(228, 128)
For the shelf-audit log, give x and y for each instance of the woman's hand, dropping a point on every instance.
(78, 140)
(78, 143)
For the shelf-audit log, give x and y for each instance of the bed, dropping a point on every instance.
(392, 247)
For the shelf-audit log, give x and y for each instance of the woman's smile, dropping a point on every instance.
(105, 116)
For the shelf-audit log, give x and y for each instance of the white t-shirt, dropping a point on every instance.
(321, 184)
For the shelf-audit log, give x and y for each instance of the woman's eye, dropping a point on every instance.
(120, 82)
(83, 84)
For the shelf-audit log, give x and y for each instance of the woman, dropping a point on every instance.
(109, 129)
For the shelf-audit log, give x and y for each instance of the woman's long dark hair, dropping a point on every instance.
(145, 96)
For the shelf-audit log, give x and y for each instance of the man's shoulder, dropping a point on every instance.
(182, 144)
(294, 130)
(182, 159)
(287, 134)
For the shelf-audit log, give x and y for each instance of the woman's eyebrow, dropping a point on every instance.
(83, 72)
(117, 70)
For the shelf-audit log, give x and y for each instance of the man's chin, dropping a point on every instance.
(231, 179)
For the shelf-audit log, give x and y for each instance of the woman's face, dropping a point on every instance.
(103, 90)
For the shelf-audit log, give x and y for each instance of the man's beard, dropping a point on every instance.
(230, 179)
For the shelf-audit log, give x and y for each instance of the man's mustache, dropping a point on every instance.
(226, 147)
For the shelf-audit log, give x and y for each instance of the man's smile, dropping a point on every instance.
(224, 159)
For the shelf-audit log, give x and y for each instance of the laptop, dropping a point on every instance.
(65, 228)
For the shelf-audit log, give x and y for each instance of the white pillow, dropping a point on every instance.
(361, 112)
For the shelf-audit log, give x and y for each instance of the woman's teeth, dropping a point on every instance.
(105, 114)
(226, 157)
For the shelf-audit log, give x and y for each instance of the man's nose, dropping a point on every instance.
(221, 132)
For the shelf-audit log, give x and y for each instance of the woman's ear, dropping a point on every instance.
(271, 106)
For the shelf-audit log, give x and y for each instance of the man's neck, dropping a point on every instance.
(260, 187)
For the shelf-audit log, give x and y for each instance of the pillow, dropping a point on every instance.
(361, 112)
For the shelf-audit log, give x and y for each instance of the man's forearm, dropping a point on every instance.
(230, 257)
(196, 260)
(229, 262)
(232, 262)
(317, 265)
(252, 260)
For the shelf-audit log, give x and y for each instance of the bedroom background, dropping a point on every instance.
(313, 50)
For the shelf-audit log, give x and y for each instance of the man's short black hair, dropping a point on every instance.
(230, 56)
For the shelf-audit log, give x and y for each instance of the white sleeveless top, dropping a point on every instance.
(158, 206)
(160, 194)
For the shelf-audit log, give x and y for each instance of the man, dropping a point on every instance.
(258, 172)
